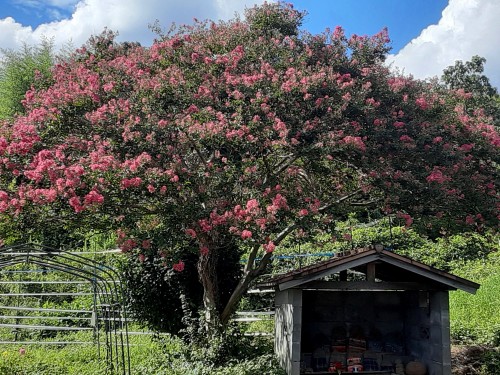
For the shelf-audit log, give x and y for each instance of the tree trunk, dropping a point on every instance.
(208, 278)
(235, 298)
(250, 274)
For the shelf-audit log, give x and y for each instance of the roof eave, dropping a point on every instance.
(297, 278)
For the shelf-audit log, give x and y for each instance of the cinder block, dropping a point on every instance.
(295, 351)
(282, 298)
(296, 297)
(295, 368)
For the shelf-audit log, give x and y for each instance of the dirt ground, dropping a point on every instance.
(470, 360)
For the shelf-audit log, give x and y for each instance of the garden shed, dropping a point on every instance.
(371, 311)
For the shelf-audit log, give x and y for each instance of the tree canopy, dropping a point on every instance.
(225, 138)
(19, 70)
(468, 78)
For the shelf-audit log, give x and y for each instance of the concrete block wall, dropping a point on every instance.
(288, 328)
(440, 351)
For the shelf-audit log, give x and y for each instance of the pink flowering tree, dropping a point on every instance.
(225, 138)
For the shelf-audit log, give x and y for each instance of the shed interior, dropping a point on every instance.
(375, 320)
(378, 330)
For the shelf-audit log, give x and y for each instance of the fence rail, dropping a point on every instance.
(111, 251)
(22, 308)
(46, 342)
(24, 282)
(48, 328)
(41, 294)
(41, 317)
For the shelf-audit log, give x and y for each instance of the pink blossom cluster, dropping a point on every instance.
(226, 134)
(438, 176)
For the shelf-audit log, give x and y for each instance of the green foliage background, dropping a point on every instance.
(22, 69)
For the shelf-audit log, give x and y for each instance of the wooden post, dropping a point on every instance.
(343, 275)
(370, 272)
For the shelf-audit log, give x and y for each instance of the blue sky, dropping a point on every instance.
(427, 35)
(35, 13)
(404, 19)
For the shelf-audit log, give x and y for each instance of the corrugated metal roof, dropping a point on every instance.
(362, 256)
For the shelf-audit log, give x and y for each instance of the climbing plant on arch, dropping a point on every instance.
(223, 138)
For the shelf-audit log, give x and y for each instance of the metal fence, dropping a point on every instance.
(35, 281)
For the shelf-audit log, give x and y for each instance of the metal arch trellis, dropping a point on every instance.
(108, 307)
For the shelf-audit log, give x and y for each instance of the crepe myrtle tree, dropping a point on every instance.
(225, 138)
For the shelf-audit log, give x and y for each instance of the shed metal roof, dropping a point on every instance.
(394, 264)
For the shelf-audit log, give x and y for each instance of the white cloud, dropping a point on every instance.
(55, 14)
(130, 18)
(466, 28)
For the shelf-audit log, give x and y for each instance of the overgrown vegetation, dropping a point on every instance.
(166, 356)
(475, 319)
(475, 322)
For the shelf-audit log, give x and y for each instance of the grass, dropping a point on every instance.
(475, 318)
(75, 359)
(148, 356)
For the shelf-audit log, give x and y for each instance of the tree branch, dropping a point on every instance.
(251, 272)
(251, 258)
(364, 204)
(193, 145)
(280, 237)
(285, 164)
(340, 200)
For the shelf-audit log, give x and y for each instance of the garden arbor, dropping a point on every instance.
(108, 319)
